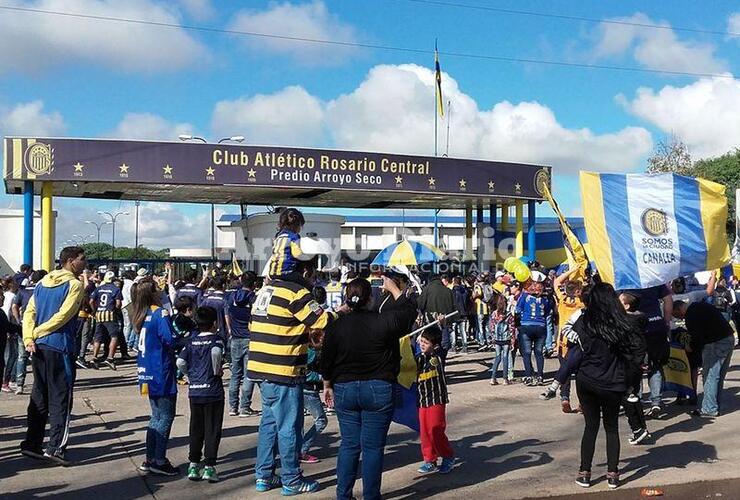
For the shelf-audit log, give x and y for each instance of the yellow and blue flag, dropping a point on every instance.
(574, 249)
(677, 373)
(646, 230)
(405, 392)
(438, 82)
(236, 269)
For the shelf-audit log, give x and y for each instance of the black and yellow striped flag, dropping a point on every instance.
(438, 83)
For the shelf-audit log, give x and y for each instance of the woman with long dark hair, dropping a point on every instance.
(157, 373)
(360, 363)
(604, 331)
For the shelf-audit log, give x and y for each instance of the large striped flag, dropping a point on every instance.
(406, 398)
(645, 230)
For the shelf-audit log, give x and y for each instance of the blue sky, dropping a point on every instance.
(93, 78)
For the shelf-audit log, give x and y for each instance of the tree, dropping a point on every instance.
(104, 251)
(724, 170)
(670, 156)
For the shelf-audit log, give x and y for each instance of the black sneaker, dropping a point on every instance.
(584, 479)
(146, 466)
(57, 457)
(81, 364)
(249, 412)
(639, 436)
(548, 394)
(165, 469)
(110, 363)
(612, 479)
(654, 412)
(527, 380)
(35, 454)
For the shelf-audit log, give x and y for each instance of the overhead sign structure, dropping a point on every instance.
(221, 173)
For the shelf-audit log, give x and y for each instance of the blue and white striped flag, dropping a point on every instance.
(645, 230)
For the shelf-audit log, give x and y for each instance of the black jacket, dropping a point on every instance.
(436, 298)
(602, 366)
(364, 345)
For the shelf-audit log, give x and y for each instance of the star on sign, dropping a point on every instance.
(251, 172)
(78, 167)
(210, 171)
(399, 179)
(463, 183)
(167, 170)
(491, 185)
(124, 168)
(432, 181)
(518, 186)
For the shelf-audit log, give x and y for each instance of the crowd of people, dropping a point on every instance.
(301, 335)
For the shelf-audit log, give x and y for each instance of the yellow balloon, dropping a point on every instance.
(509, 264)
(522, 273)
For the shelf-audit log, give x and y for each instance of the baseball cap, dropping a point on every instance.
(500, 274)
(143, 271)
(108, 277)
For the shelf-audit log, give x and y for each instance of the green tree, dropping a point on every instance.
(724, 170)
(671, 155)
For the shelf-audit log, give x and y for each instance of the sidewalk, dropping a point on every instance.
(509, 443)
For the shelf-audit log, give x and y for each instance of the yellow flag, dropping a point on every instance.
(236, 270)
(573, 247)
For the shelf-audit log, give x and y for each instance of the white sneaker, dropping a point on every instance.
(19, 390)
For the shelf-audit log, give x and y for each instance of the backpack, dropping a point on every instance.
(487, 293)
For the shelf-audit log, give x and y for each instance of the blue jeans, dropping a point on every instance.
(239, 357)
(22, 363)
(11, 358)
(364, 410)
(280, 431)
(502, 354)
(312, 402)
(132, 338)
(160, 425)
(532, 337)
(482, 329)
(460, 328)
(715, 362)
(550, 339)
(568, 367)
(655, 383)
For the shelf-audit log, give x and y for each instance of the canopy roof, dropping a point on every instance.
(262, 175)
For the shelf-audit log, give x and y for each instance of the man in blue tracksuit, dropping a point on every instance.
(49, 335)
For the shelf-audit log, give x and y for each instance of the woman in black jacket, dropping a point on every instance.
(360, 362)
(605, 333)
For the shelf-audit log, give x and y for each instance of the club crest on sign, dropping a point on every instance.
(541, 180)
(39, 159)
(655, 222)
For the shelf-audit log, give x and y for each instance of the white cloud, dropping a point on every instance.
(30, 119)
(655, 48)
(34, 42)
(733, 23)
(200, 10)
(290, 116)
(703, 114)
(149, 126)
(305, 20)
(390, 111)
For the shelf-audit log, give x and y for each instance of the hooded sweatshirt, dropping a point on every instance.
(50, 316)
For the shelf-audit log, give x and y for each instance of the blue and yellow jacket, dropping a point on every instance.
(50, 319)
(285, 252)
(156, 359)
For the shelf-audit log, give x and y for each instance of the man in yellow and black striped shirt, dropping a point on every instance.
(282, 315)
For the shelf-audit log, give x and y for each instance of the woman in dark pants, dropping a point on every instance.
(360, 363)
(605, 331)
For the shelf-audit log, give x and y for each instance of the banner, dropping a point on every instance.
(646, 230)
(406, 396)
(677, 373)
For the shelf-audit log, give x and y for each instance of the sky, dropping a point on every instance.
(81, 77)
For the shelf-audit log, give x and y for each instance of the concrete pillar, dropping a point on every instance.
(519, 252)
(479, 225)
(47, 226)
(468, 248)
(532, 230)
(28, 222)
(504, 217)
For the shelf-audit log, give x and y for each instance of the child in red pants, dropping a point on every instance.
(432, 402)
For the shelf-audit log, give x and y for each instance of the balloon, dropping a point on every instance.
(509, 264)
(522, 273)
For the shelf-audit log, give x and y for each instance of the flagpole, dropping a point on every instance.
(449, 113)
(435, 98)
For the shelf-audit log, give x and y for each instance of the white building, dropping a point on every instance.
(11, 240)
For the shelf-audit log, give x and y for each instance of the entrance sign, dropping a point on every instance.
(89, 161)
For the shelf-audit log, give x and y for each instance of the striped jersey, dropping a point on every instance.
(481, 307)
(432, 385)
(105, 298)
(285, 251)
(282, 313)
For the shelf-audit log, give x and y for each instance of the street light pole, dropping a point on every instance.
(136, 242)
(98, 227)
(113, 218)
